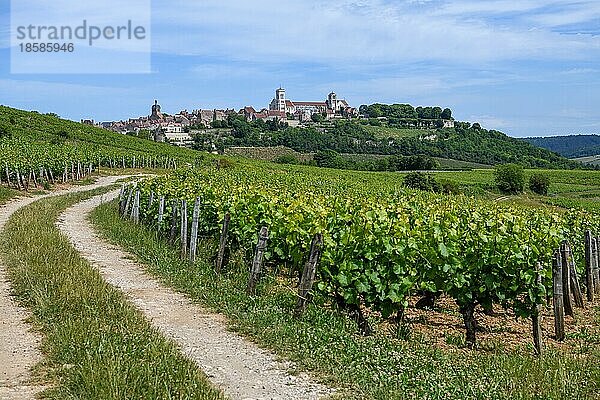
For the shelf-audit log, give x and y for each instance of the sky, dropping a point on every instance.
(527, 67)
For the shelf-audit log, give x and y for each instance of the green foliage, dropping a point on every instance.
(329, 159)
(421, 181)
(572, 146)
(286, 159)
(5, 131)
(478, 252)
(539, 183)
(510, 178)
(317, 117)
(46, 141)
(381, 366)
(464, 142)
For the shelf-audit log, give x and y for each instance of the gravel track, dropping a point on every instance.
(240, 368)
(19, 345)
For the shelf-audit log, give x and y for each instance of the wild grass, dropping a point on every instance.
(327, 343)
(6, 194)
(96, 344)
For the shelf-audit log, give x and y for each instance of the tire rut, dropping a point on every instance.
(240, 368)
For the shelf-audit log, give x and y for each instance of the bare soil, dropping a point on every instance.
(442, 326)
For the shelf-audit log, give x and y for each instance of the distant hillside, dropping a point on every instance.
(50, 130)
(574, 146)
(464, 142)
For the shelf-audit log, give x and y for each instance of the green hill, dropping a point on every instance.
(574, 146)
(48, 128)
(463, 142)
(31, 143)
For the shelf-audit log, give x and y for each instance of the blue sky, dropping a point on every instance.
(525, 67)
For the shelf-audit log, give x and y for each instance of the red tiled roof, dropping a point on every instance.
(311, 103)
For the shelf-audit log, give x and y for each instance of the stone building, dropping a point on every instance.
(332, 107)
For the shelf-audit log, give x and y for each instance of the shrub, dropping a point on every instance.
(286, 159)
(510, 178)
(539, 183)
(329, 159)
(450, 187)
(63, 134)
(5, 131)
(421, 181)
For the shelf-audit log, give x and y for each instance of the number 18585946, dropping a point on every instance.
(47, 47)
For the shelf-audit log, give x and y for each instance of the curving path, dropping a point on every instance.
(238, 367)
(19, 346)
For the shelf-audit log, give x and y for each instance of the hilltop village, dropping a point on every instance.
(177, 127)
(180, 128)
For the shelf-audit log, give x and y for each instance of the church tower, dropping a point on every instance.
(156, 114)
(332, 102)
(278, 103)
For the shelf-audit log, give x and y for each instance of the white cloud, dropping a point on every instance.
(369, 31)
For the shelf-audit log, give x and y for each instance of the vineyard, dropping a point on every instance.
(378, 244)
(37, 149)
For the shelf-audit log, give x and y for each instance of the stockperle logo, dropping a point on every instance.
(66, 36)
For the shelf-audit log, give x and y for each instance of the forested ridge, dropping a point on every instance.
(569, 146)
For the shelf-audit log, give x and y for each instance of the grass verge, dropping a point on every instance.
(327, 343)
(97, 345)
(6, 194)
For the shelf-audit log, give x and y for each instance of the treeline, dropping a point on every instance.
(332, 159)
(404, 111)
(465, 142)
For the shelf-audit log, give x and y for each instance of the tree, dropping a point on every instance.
(286, 159)
(421, 181)
(539, 183)
(328, 159)
(317, 117)
(447, 113)
(510, 178)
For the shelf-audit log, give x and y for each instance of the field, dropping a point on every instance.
(36, 148)
(593, 160)
(415, 294)
(577, 188)
(412, 353)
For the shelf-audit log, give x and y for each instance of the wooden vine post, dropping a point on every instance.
(122, 200)
(194, 233)
(173, 231)
(222, 243)
(7, 174)
(596, 264)
(135, 210)
(589, 266)
(537, 316)
(184, 229)
(559, 314)
(566, 280)
(151, 199)
(569, 263)
(308, 274)
(161, 211)
(127, 203)
(259, 255)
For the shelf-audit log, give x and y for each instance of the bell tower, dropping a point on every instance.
(156, 114)
(332, 102)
